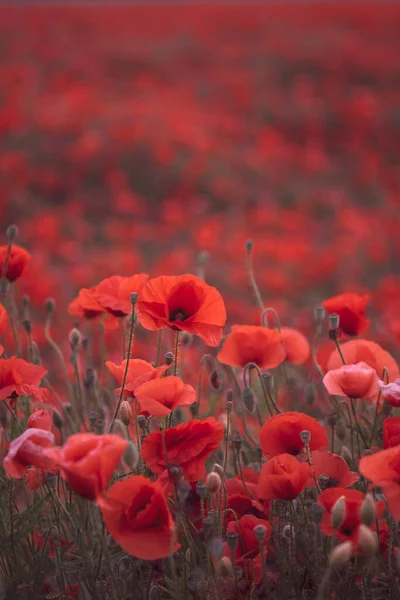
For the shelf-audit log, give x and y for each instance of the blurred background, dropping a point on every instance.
(148, 138)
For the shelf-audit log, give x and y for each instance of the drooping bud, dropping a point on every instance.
(232, 539)
(368, 510)
(338, 513)
(131, 456)
(12, 232)
(225, 567)
(340, 556)
(260, 531)
(334, 321)
(213, 482)
(319, 313)
(367, 540)
(125, 412)
(305, 437)
(248, 399)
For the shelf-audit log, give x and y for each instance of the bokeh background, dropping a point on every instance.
(146, 138)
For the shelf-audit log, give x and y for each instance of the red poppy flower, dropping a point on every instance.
(139, 372)
(391, 432)
(137, 516)
(20, 378)
(238, 498)
(391, 392)
(334, 467)
(18, 261)
(252, 344)
(160, 396)
(383, 469)
(296, 346)
(87, 461)
(353, 501)
(41, 419)
(351, 310)
(188, 445)
(183, 303)
(283, 477)
(353, 381)
(113, 293)
(29, 450)
(86, 305)
(248, 545)
(356, 351)
(281, 434)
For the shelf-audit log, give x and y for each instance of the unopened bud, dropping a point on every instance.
(225, 567)
(367, 540)
(260, 531)
(218, 469)
(213, 482)
(341, 431)
(232, 539)
(12, 231)
(310, 394)
(201, 489)
(340, 556)
(368, 510)
(74, 338)
(248, 399)
(334, 321)
(125, 412)
(319, 313)
(305, 437)
(338, 513)
(169, 358)
(131, 455)
(50, 304)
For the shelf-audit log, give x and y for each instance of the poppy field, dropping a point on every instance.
(200, 302)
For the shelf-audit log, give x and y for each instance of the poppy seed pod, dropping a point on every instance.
(169, 358)
(175, 473)
(236, 440)
(338, 513)
(305, 437)
(133, 297)
(368, 511)
(12, 231)
(319, 313)
(213, 482)
(125, 412)
(232, 539)
(50, 305)
(201, 489)
(249, 245)
(260, 531)
(92, 419)
(248, 399)
(334, 321)
(340, 556)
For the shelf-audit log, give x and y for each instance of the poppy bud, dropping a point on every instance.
(334, 321)
(341, 431)
(74, 338)
(346, 455)
(50, 305)
(175, 473)
(213, 482)
(236, 440)
(232, 539)
(214, 380)
(12, 232)
(133, 297)
(367, 540)
(368, 510)
(249, 245)
(218, 469)
(169, 358)
(340, 556)
(319, 313)
(305, 437)
(125, 412)
(310, 394)
(201, 489)
(248, 399)
(338, 513)
(260, 531)
(57, 420)
(131, 455)
(225, 567)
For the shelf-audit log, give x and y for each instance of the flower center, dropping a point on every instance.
(179, 314)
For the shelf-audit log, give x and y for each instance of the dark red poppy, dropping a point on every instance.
(188, 445)
(281, 434)
(139, 372)
(351, 523)
(137, 516)
(160, 396)
(383, 469)
(252, 344)
(351, 310)
(87, 461)
(113, 293)
(391, 432)
(17, 263)
(183, 303)
(20, 378)
(29, 449)
(283, 477)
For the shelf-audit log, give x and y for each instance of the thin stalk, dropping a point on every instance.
(250, 272)
(176, 354)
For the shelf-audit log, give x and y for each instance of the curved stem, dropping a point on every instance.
(273, 312)
(176, 359)
(250, 272)
(247, 369)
